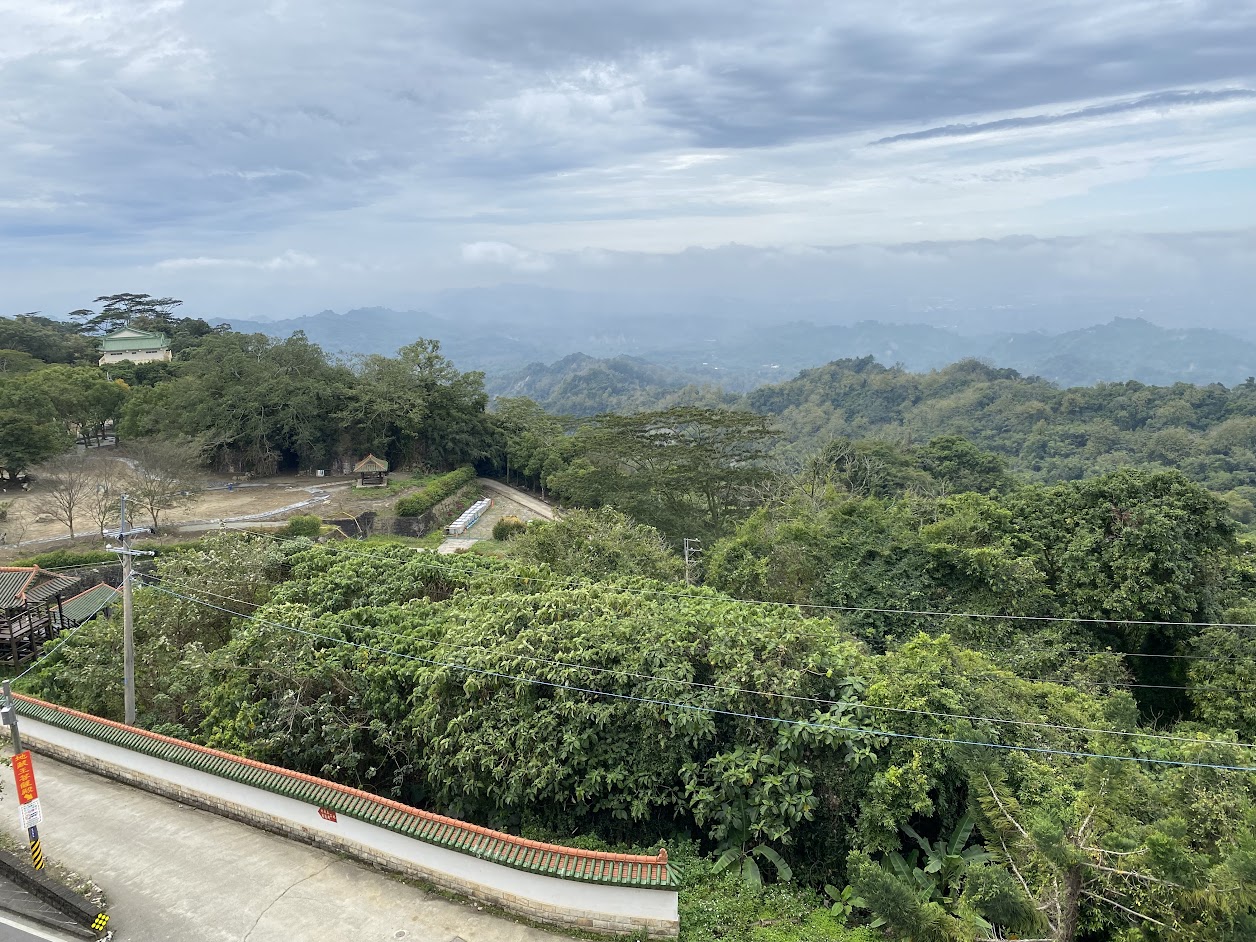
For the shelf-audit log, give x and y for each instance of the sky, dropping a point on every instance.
(274, 159)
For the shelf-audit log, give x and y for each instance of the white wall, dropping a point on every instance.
(591, 906)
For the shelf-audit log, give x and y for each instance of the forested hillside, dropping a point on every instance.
(957, 656)
(1209, 432)
(583, 386)
(239, 402)
(941, 782)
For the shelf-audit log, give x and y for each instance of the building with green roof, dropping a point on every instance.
(131, 343)
(87, 605)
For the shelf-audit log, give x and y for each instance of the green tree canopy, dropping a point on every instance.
(686, 471)
(598, 544)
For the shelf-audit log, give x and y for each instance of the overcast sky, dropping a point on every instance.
(279, 158)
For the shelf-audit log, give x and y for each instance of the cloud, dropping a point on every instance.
(505, 255)
(1159, 101)
(286, 261)
(183, 139)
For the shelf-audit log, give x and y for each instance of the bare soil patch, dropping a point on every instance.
(263, 495)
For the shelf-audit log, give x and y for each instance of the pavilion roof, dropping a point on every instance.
(22, 584)
(89, 604)
(370, 464)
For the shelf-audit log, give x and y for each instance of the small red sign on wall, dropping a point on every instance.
(327, 814)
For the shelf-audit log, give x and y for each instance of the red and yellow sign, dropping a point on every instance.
(25, 776)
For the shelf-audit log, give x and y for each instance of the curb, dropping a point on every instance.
(54, 894)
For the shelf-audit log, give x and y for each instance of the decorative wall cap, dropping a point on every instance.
(554, 860)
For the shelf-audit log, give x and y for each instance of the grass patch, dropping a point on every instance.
(76, 883)
(396, 487)
(427, 541)
(495, 548)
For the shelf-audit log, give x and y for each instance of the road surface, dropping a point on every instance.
(171, 872)
(538, 507)
(16, 929)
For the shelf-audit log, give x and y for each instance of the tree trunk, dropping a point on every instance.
(1070, 904)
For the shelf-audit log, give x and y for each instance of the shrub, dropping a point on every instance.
(720, 906)
(306, 525)
(64, 559)
(598, 544)
(417, 504)
(507, 528)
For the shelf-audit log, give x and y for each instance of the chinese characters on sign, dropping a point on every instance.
(27, 796)
(25, 776)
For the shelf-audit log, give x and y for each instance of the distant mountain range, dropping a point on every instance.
(737, 354)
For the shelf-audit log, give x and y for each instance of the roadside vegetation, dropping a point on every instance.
(958, 656)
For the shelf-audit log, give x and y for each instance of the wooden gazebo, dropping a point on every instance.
(371, 472)
(30, 611)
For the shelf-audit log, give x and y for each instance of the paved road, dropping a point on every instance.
(21, 905)
(15, 929)
(173, 872)
(538, 507)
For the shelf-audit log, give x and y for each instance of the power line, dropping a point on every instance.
(570, 583)
(713, 710)
(1164, 737)
(103, 563)
(427, 561)
(45, 653)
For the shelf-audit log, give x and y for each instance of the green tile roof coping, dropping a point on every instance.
(569, 863)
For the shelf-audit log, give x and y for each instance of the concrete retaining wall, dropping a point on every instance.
(432, 519)
(615, 910)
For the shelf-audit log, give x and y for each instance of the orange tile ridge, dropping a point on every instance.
(558, 849)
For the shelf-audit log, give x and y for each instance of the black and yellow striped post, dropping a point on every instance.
(37, 853)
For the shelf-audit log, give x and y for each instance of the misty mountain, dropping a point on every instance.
(509, 332)
(581, 385)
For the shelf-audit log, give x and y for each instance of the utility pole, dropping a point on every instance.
(28, 798)
(128, 617)
(10, 718)
(693, 549)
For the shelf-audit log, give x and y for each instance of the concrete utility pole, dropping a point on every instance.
(128, 619)
(10, 718)
(693, 549)
(25, 776)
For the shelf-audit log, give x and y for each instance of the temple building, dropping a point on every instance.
(138, 346)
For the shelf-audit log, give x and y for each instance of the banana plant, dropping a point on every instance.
(946, 859)
(924, 886)
(739, 851)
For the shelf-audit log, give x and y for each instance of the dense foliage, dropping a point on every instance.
(1052, 433)
(508, 693)
(261, 405)
(954, 669)
(687, 471)
(597, 544)
(968, 427)
(249, 403)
